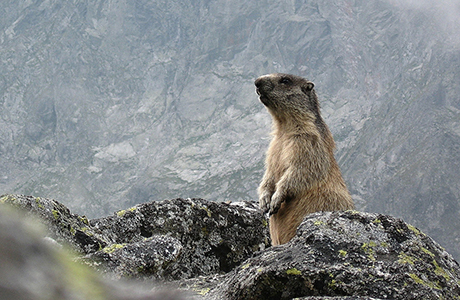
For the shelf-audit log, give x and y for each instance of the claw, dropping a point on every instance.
(275, 204)
(273, 210)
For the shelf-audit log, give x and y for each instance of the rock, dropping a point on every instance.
(150, 258)
(62, 225)
(171, 239)
(221, 251)
(32, 269)
(338, 298)
(347, 254)
(199, 237)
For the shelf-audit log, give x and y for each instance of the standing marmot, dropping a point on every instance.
(301, 174)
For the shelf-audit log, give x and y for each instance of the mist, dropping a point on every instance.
(446, 14)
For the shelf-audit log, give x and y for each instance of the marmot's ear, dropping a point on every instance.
(308, 86)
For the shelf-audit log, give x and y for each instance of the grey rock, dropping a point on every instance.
(347, 254)
(32, 269)
(200, 237)
(149, 258)
(338, 298)
(62, 225)
(171, 239)
(221, 251)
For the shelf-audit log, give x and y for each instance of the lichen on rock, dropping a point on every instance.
(348, 254)
(62, 225)
(212, 237)
(221, 251)
(32, 268)
(171, 239)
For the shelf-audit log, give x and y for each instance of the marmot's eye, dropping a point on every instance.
(285, 80)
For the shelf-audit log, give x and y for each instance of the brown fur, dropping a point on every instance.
(301, 174)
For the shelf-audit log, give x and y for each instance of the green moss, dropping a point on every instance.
(427, 252)
(414, 230)
(264, 222)
(202, 292)
(112, 248)
(206, 209)
(332, 284)
(416, 278)
(406, 259)
(293, 271)
(83, 219)
(245, 266)
(430, 284)
(368, 249)
(5, 198)
(39, 204)
(440, 271)
(86, 230)
(343, 253)
(318, 223)
(122, 212)
(56, 214)
(376, 221)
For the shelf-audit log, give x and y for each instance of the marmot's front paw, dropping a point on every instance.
(264, 202)
(275, 203)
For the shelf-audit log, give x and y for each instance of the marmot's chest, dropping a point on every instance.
(281, 157)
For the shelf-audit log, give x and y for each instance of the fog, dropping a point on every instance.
(446, 14)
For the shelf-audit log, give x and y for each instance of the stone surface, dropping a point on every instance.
(171, 239)
(347, 254)
(201, 237)
(62, 225)
(221, 251)
(33, 269)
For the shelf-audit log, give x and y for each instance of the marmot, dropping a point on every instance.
(301, 174)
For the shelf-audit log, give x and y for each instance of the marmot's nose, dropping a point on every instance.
(258, 82)
(264, 82)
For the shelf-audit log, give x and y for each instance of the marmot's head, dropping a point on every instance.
(288, 96)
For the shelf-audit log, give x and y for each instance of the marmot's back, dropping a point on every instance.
(301, 174)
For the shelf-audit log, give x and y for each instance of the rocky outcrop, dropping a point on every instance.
(171, 239)
(62, 225)
(220, 251)
(348, 254)
(198, 237)
(33, 269)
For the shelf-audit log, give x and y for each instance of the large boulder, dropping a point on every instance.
(198, 237)
(31, 268)
(171, 239)
(62, 225)
(347, 254)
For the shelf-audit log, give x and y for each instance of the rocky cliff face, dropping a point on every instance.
(105, 104)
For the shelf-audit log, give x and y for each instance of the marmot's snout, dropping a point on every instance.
(263, 86)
